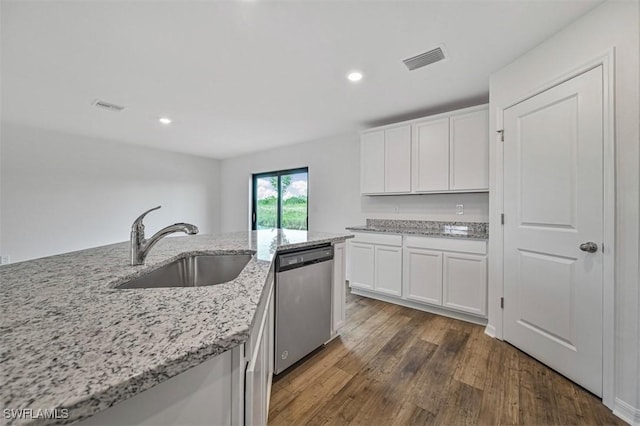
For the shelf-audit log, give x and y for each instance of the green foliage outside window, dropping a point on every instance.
(294, 212)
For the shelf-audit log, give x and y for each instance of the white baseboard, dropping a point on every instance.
(627, 412)
(490, 331)
(426, 308)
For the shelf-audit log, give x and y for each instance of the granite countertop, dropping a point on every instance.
(465, 230)
(70, 340)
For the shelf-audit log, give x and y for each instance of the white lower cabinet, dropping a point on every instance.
(388, 270)
(423, 275)
(375, 263)
(338, 291)
(465, 283)
(259, 371)
(446, 273)
(361, 256)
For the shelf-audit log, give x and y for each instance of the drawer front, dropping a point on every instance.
(447, 244)
(372, 238)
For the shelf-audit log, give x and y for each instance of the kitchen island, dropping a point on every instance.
(73, 342)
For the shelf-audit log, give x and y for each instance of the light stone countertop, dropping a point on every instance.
(70, 340)
(463, 230)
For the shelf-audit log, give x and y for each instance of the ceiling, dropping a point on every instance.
(240, 77)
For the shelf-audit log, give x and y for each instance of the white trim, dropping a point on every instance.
(627, 412)
(490, 331)
(496, 238)
(238, 366)
(420, 306)
(609, 243)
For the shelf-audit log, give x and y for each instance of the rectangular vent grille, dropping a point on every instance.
(424, 59)
(107, 105)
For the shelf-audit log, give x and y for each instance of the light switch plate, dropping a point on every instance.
(459, 208)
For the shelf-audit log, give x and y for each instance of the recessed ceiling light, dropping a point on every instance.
(354, 76)
(164, 120)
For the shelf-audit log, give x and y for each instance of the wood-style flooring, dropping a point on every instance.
(398, 366)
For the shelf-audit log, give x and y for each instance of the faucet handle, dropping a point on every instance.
(138, 222)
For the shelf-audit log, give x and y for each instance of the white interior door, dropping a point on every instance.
(553, 202)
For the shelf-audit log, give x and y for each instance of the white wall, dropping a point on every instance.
(62, 192)
(615, 23)
(334, 189)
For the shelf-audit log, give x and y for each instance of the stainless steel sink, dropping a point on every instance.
(193, 271)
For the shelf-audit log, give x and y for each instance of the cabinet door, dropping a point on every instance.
(372, 163)
(469, 145)
(338, 294)
(465, 283)
(423, 275)
(260, 371)
(388, 270)
(361, 265)
(397, 157)
(269, 356)
(430, 146)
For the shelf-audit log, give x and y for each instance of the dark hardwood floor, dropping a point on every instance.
(398, 366)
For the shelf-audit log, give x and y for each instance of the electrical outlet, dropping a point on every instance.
(459, 208)
(4, 259)
(396, 208)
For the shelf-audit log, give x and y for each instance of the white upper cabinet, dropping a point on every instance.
(431, 155)
(469, 151)
(397, 159)
(386, 161)
(443, 153)
(372, 162)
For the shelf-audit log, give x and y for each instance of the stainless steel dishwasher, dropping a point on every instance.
(303, 303)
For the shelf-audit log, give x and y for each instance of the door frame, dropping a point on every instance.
(278, 173)
(496, 286)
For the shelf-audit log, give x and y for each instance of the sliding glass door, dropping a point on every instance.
(280, 199)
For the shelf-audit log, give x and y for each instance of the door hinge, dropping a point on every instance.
(502, 302)
(501, 135)
(501, 218)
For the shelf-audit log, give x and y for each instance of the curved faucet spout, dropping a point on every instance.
(140, 246)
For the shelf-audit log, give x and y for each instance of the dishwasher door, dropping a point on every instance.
(303, 312)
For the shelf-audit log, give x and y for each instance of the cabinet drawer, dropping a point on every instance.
(371, 238)
(447, 244)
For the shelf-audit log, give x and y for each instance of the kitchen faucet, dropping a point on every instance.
(140, 246)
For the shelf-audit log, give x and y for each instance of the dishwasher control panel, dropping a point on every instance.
(304, 257)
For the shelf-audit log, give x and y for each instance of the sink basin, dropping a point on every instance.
(193, 271)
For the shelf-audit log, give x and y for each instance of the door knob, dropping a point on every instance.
(590, 247)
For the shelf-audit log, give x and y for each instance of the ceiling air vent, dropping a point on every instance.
(107, 105)
(424, 59)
